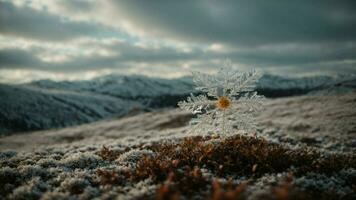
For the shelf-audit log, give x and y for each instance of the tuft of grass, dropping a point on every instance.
(108, 154)
(109, 177)
(227, 191)
(283, 190)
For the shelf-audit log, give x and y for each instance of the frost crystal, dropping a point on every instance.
(227, 101)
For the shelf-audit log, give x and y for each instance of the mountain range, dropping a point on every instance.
(48, 104)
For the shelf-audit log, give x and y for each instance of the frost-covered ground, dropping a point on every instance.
(70, 163)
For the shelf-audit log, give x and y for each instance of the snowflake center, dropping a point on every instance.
(223, 103)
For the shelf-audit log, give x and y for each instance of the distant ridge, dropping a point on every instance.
(48, 104)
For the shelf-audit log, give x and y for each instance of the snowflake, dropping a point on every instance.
(227, 102)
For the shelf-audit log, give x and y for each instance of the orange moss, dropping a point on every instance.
(177, 167)
(108, 154)
(182, 163)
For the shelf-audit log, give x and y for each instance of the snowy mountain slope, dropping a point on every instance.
(24, 108)
(126, 87)
(279, 82)
(48, 104)
(141, 87)
(278, 86)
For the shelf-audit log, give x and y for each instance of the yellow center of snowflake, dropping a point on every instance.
(223, 103)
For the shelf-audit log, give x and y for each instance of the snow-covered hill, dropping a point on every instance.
(141, 87)
(133, 87)
(48, 104)
(24, 108)
(278, 86)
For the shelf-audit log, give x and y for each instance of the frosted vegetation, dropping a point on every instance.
(304, 148)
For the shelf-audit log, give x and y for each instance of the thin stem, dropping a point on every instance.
(223, 122)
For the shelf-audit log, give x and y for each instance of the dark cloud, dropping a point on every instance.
(295, 54)
(240, 22)
(78, 5)
(41, 25)
(123, 53)
(17, 58)
(126, 55)
(290, 36)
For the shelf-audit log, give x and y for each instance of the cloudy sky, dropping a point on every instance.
(81, 39)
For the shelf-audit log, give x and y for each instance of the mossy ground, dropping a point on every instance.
(192, 168)
(237, 167)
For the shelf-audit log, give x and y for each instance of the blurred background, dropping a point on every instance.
(64, 63)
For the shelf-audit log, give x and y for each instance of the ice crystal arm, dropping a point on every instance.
(195, 104)
(250, 102)
(246, 82)
(206, 83)
(227, 82)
